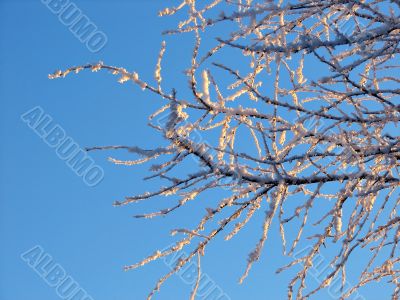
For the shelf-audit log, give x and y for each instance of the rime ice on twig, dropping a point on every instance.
(315, 105)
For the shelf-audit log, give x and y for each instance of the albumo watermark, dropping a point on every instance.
(78, 23)
(320, 269)
(207, 288)
(65, 147)
(54, 274)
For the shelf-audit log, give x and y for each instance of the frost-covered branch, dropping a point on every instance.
(310, 88)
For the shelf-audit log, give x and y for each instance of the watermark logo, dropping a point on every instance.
(78, 23)
(320, 269)
(53, 274)
(207, 288)
(65, 147)
(200, 144)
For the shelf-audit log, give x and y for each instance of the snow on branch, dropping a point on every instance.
(300, 101)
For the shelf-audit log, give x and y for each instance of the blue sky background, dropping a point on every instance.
(44, 203)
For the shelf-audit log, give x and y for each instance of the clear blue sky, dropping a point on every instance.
(43, 202)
